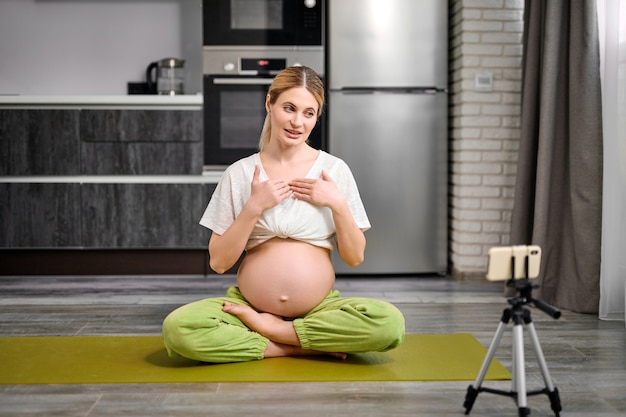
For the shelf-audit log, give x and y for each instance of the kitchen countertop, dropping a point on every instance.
(208, 177)
(157, 102)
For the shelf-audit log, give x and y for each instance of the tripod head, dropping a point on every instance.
(525, 287)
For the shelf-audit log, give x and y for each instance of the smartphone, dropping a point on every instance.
(501, 262)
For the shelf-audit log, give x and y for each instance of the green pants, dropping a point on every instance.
(203, 332)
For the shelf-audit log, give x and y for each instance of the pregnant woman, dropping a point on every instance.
(287, 207)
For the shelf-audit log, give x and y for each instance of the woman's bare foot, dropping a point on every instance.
(283, 338)
(263, 323)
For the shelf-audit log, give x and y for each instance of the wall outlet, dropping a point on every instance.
(483, 82)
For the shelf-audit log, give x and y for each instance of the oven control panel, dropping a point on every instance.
(262, 66)
(259, 61)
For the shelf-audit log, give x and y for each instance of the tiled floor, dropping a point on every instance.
(586, 357)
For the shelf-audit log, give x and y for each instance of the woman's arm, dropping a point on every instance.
(350, 238)
(324, 192)
(225, 249)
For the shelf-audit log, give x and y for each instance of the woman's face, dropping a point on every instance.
(292, 116)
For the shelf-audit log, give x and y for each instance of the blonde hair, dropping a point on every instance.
(290, 77)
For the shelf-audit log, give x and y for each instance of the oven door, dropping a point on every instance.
(234, 112)
(262, 22)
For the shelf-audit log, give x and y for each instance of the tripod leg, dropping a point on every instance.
(490, 354)
(519, 373)
(540, 357)
(513, 367)
(473, 390)
(553, 393)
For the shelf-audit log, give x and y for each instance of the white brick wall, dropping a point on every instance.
(485, 36)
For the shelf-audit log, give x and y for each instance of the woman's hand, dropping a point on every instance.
(267, 194)
(324, 192)
(226, 249)
(319, 192)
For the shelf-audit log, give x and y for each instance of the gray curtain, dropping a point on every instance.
(558, 194)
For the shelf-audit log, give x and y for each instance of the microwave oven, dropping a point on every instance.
(262, 22)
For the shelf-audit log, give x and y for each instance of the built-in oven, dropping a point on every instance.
(262, 22)
(234, 112)
(236, 81)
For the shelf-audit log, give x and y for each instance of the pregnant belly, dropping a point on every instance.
(286, 277)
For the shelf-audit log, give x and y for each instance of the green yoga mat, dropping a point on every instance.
(142, 359)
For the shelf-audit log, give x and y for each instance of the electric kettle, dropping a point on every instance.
(170, 76)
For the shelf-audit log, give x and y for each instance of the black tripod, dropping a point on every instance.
(520, 316)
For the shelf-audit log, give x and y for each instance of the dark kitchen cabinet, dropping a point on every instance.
(144, 215)
(100, 142)
(146, 158)
(85, 211)
(103, 216)
(40, 215)
(39, 142)
(141, 142)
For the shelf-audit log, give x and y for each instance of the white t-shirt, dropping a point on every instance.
(292, 218)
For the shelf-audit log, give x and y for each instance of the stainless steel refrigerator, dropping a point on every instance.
(387, 118)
